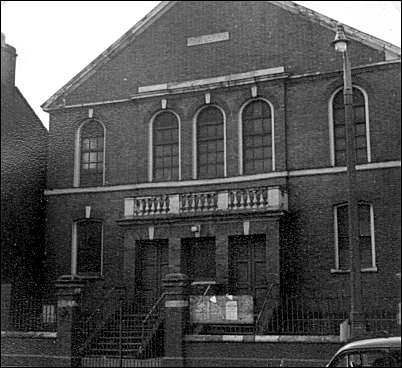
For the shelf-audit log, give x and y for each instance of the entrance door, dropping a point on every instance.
(248, 267)
(151, 267)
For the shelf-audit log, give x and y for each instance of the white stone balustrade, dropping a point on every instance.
(260, 198)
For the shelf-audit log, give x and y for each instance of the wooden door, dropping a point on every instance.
(248, 267)
(152, 266)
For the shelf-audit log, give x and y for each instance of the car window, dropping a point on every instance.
(396, 356)
(340, 361)
(354, 360)
(376, 359)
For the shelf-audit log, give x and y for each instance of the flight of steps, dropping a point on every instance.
(107, 341)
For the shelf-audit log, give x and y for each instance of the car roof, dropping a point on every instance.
(385, 342)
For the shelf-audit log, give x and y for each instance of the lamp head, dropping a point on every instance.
(340, 42)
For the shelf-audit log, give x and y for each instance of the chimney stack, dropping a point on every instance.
(8, 59)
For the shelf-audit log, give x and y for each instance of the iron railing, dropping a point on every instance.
(90, 326)
(266, 310)
(295, 315)
(152, 343)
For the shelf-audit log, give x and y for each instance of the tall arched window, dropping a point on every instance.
(362, 139)
(92, 154)
(165, 147)
(210, 144)
(257, 137)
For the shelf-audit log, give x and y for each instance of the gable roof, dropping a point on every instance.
(391, 50)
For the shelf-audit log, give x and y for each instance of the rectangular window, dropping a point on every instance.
(199, 258)
(366, 237)
(89, 248)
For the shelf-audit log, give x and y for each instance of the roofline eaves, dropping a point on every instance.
(127, 37)
(331, 24)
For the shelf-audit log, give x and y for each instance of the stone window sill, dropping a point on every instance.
(363, 270)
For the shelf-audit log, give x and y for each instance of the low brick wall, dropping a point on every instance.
(31, 349)
(259, 351)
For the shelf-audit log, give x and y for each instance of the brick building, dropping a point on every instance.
(209, 140)
(23, 176)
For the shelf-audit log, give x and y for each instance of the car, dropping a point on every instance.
(378, 352)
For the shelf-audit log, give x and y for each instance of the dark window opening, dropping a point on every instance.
(199, 258)
(89, 247)
(365, 241)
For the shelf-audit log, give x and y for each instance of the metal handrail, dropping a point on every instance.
(148, 316)
(86, 325)
(268, 293)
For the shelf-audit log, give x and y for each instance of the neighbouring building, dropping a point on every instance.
(209, 140)
(23, 178)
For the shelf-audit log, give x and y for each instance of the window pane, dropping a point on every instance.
(361, 156)
(364, 220)
(85, 144)
(376, 359)
(361, 142)
(343, 250)
(342, 213)
(93, 143)
(85, 157)
(365, 252)
(361, 130)
(359, 114)
(93, 157)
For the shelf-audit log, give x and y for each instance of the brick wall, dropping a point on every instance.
(160, 53)
(301, 126)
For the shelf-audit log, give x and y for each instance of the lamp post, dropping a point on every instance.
(340, 44)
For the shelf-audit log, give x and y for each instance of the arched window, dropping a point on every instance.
(165, 147)
(362, 139)
(92, 154)
(210, 144)
(366, 237)
(87, 251)
(257, 137)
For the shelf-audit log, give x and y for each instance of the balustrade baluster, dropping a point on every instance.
(143, 207)
(159, 204)
(248, 199)
(166, 204)
(202, 202)
(230, 199)
(192, 202)
(242, 195)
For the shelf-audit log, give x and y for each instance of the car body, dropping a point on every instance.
(379, 352)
